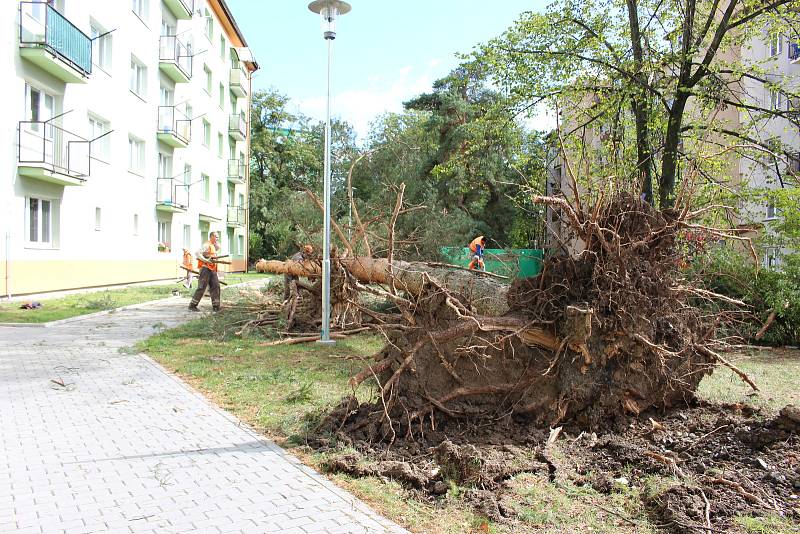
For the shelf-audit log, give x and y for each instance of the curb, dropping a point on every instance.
(67, 320)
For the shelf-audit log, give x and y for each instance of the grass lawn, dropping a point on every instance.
(282, 391)
(81, 304)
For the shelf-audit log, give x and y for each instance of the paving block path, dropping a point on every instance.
(94, 438)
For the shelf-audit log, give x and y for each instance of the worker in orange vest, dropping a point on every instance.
(187, 264)
(477, 247)
(207, 265)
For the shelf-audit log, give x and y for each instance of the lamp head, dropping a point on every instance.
(330, 11)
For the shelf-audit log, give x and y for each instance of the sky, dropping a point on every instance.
(385, 51)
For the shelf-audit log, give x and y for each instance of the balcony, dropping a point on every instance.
(794, 52)
(47, 152)
(49, 40)
(237, 127)
(174, 128)
(175, 59)
(236, 171)
(182, 9)
(236, 215)
(239, 82)
(171, 196)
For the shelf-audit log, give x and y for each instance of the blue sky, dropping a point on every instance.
(385, 51)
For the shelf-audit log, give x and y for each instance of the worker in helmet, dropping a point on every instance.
(290, 281)
(476, 247)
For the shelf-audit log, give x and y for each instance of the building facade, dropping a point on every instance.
(126, 140)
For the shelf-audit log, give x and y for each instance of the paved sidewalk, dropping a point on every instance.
(96, 439)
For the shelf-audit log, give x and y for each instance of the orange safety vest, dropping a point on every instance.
(473, 246)
(211, 253)
(187, 259)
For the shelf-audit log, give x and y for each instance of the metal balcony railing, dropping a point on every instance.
(794, 51)
(238, 80)
(237, 124)
(170, 192)
(172, 120)
(236, 168)
(173, 49)
(236, 215)
(42, 26)
(47, 145)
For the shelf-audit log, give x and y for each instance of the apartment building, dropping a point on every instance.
(126, 140)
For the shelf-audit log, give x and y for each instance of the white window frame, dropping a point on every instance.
(98, 219)
(206, 133)
(102, 47)
(135, 224)
(206, 183)
(187, 236)
(140, 9)
(209, 26)
(771, 212)
(222, 47)
(220, 145)
(50, 225)
(775, 44)
(164, 232)
(209, 78)
(98, 127)
(138, 78)
(219, 193)
(136, 150)
(239, 245)
(222, 96)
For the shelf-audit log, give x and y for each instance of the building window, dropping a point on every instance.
(140, 8)
(222, 96)
(206, 187)
(40, 221)
(135, 224)
(209, 25)
(775, 44)
(220, 145)
(98, 219)
(98, 128)
(187, 175)
(164, 235)
(135, 155)
(222, 47)
(777, 100)
(138, 81)
(219, 193)
(187, 236)
(772, 258)
(164, 165)
(240, 245)
(206, 133)
(772, 211)
(101, 47)
(233, 104)
(209, 78)
(241, 199)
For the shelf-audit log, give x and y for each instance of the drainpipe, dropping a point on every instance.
(8, 265)
(247, 173)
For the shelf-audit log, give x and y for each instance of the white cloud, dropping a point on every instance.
(359, 107)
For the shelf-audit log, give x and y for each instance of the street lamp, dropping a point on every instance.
(329, 10)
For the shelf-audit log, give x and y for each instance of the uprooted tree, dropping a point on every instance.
(613, 330)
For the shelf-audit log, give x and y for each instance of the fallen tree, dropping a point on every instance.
(593, 338)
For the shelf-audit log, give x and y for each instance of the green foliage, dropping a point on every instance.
(734, 274)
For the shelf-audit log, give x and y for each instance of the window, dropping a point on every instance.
(222, 47)
(187, 236)
(241, 199)
(209, 79)
(772, 211)
(240, 245)
(206, 187)
(139, 7)
(221, 96)
(98, 128)
(187, 175)
(794, 163)
(98, 219)
(164, 166)
(40, 221)
(777, 100)
(206, 133)
(219, 193)
(220, 145)
(101, 46)
(775, 44)
(138, 81)
(771, 258)
(135, 224)
(135, 155)
(209, 25)
(164, 233)
(39, 106)
(233, 104)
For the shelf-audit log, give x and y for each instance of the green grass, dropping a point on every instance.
(282, 391)
(775, 372)
(82, 304)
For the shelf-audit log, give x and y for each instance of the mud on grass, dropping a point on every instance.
(705, 468)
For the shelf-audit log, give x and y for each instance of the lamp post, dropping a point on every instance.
(329, 10)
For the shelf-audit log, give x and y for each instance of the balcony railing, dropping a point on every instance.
(42, 26)
(236, 168)
(48, 146)
(237, 126)
(794, 51)
(182, 9)
(172, 194)
(236, 215)
(238, 81)
(173, 51)
(174, 127)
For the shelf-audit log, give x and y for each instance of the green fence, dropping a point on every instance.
(513, 262)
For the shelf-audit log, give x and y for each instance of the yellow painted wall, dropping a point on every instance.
(42, 276)
(237, 265)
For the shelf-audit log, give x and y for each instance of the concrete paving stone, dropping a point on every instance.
(165, 451)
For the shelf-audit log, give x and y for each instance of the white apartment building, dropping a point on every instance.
(126, 140)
